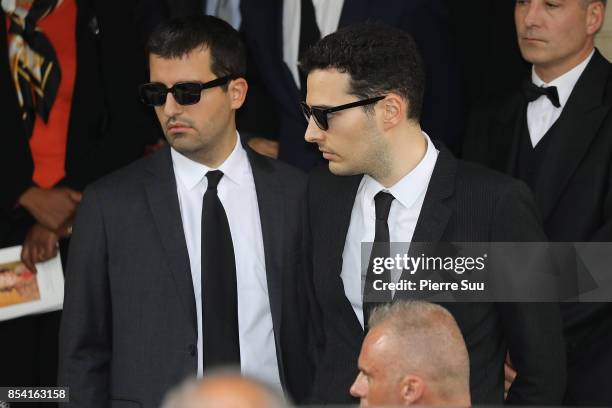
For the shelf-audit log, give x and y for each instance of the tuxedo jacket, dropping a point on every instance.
(463, 203)
(573, 191)
(129, 329)
(108, 127)
(425, 20)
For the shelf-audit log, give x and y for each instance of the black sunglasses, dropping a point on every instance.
(320, 114)
(184, 93)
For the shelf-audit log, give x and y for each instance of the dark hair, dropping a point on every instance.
(379, 59)
(179, 36)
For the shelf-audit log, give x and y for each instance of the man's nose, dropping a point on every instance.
(532, 16)
(313, 133)
(171, 107)
(359, 387)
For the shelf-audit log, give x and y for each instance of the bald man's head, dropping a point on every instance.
(223, 390)
(414, 353)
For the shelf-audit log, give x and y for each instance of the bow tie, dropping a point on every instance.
(533, 92)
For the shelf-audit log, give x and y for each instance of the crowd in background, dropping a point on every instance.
(70, 71)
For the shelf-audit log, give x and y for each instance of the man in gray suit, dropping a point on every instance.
(184, 260)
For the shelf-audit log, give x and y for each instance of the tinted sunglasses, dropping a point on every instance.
(320, 114)
(184, 93)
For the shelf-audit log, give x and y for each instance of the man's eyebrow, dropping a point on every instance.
(321, 106)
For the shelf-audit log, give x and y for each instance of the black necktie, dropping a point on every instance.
(533, 92)
(219, 293)
(371, 297)
(309, 35)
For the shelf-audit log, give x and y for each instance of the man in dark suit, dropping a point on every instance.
(190, 258)
(555, 133)
(387, 181)
(265, 25)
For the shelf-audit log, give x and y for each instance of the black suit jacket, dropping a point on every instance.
(463, 203)
(574, 193)
(108, 127)
(129, 329)
(425, 20)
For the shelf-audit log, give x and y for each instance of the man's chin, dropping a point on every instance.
(535, 55)
(340, 169)
(184, 147)
(179, 141)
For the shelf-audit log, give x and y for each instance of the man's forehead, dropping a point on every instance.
(378, 343)
(326, 87)
(194, 65)
(197, 54)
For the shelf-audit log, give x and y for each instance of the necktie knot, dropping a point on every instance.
(213, 176)
(382, 203)
(533, 92)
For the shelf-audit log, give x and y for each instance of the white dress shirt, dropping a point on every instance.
(541, 113)
(236, 192)
(327, 13)
(409, 193)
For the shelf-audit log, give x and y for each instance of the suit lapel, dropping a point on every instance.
(273, 215)
(336, 225)
(435, 213)
(511, 139)
(164, 204)
(506, 136)
(575, 130)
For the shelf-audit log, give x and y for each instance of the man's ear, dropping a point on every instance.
(412, 388)
(394, 109)
(237, 90)
(596, 12)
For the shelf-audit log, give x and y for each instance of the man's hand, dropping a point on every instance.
(509, 375)
(40, 245)
(264, 146)
(51, 207)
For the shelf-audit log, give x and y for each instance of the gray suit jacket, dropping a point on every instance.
(129, 329)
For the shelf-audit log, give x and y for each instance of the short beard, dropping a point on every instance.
(378, 164)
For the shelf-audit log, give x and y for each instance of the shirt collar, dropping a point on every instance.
(190, 173)
(566, 82)
(410, 187)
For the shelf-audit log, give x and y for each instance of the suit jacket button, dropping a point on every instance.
(192, 349)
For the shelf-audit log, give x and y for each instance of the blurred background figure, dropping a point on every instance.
(68, 76)
(414, 354)
(224, 389)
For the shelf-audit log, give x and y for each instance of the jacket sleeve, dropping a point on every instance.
(533, 331)
(86, 332)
